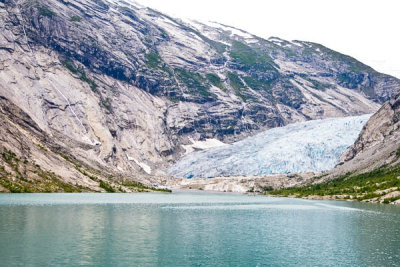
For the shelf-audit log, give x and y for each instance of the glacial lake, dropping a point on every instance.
(194, 229)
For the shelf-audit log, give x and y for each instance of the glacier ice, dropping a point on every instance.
(300, 147)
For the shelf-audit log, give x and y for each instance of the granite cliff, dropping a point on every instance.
(124, 91)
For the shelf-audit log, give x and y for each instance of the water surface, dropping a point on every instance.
(194, 229)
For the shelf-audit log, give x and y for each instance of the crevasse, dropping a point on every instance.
(300, 147)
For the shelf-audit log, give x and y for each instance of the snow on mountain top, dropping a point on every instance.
(300, 147)
(234, 31)
(213, 30)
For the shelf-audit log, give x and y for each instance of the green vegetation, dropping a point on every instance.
(237, 85)
(354, 65)
(390, 199)
(79, 169)
(106, 103)
(215, 80)
(398, 152)
(251, 58)
(103, 184)
(27, 177)
(358, 186)
(346, 78)
(153, 60)
(106, 186)
(46, 12)
(274, 47)
(89, 81)
(257, 84)
(143, 188)
(245, 54)
(30, 178)
(316, 84)
(41, 147)
(235, 81)
(76, 19)
(354, 79)
(69, 65)
(196, 83)
(133, 185)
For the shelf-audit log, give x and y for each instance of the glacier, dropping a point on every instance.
(311, 146)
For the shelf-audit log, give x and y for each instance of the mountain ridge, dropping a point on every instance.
(129, 87)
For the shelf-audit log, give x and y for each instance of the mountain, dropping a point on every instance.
(312, 146)
(369, 170)
(122, 89)
(378, 143)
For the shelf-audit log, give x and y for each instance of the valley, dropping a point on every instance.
(109, 95)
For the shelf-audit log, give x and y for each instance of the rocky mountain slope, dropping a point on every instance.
(128, 90)
(378, 143)
(369, 170)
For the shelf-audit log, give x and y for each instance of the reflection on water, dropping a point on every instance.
(194, 230)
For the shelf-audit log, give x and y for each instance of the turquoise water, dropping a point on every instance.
(194, 229)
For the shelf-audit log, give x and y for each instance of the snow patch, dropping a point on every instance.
(232, 30)
(201, 145)
(297, 43)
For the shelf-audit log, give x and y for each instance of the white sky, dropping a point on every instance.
(365, 29)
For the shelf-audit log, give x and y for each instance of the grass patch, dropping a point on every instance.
(89, 81)
(235, 81)
(31, 178)
(141, 187)
(196, 84)
(136, 186)
(46, 12)
(237, 85)
(391, 199)
(28, 177)
(398, 152)
(360, 186)
(76, 19)
(83, 77)
(257, 84)
(107, 104)
(317, 85)
(251, 58)
(42, 147)
(215, 80)
(106, 186)
(353, 64)
(153, 60)
(68, 64)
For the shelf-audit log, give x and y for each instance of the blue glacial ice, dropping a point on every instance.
(310, 146)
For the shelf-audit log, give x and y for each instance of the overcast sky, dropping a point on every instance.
(365, 29)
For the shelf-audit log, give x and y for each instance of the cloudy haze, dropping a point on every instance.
(366, 30)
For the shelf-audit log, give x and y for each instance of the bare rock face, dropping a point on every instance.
(26, 153)
(124, 89)
(378, 143)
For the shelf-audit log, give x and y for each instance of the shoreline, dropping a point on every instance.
(197, 191)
